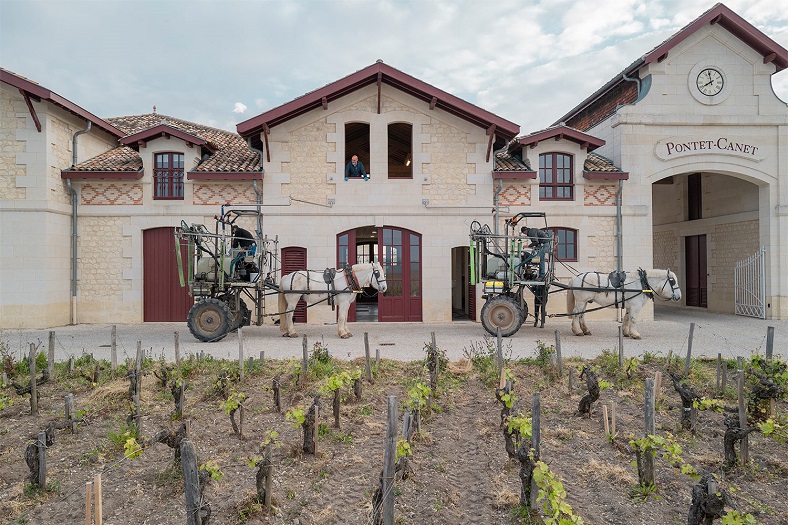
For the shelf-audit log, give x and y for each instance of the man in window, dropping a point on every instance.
(355, 169)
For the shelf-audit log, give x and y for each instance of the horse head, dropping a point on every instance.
(378, 278)
(669, 279)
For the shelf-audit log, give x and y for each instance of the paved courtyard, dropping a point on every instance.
(731, 335)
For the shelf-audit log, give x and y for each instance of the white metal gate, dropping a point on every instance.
(750, 285)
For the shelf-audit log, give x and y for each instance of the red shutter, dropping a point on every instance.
(294, 259)
(163, 298)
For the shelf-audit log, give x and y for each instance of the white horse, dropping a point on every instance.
(637, 289)
(344, 288)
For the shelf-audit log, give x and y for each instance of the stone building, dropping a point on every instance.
(700, 170)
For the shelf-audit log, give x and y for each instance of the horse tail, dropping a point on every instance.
(570, 298)
(283, 316)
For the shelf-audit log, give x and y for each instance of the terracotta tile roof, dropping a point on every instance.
(596, 162)
(505, 161)
(122, 158)
(232, 154)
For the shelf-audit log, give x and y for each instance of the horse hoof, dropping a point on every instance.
(587, 333)
(345, 336)
(292, 335)
(635, 336)
(579, 334)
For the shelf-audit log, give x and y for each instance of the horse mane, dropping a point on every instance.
(655, 273)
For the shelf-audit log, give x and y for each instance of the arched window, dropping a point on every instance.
(400, 145)
(567, 243)
(168, 176)
(555, 177)
(357, 143)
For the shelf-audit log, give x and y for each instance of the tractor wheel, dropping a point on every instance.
(240, 318)
(209, 320)
(502, 312)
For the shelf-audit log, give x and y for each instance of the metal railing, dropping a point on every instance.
(749, 283)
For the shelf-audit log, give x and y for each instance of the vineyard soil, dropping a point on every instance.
(461, 471)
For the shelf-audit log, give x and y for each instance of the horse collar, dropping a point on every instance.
(645, 284)
(352, 281)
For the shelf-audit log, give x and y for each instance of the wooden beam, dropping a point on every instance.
(30, 108)
(715, 19)
(141, 144)
(433, 102)
(380, 81)
(584, 146)
(662, 57)
(558, 137)
(266, 132)
(771, 57)
(491, 133)
(324, 101)
(166, 136)
(534, 144)
(189, 145)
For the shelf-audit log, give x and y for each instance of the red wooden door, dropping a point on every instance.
(346, 254)
(401, 251)
(697, 278)
(294, 259)
(163, 298)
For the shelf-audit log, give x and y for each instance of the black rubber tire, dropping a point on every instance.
(240, 318)
(209, 320)
(502, 312)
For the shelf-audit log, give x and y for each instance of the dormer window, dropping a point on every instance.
(168, 176)
(555, 177)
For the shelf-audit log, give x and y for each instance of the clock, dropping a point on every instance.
(710, 82)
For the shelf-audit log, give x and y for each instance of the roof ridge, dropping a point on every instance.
(175, 119)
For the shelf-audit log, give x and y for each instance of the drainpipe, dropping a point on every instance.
(634, 79)
(257, 191)
(499, 189)
(74, 200)
(618, 225)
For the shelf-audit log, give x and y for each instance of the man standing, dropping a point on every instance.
(355, 169)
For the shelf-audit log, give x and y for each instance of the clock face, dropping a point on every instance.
(710, 82)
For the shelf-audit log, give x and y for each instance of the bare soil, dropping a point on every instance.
(461, 471)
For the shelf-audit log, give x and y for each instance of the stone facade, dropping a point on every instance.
(216, 194)
(12, 119)
(111, 194)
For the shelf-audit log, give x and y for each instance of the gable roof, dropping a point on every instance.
(718, 14)
(34, 90)
(385, 74)
(559, 132)
(224, 152)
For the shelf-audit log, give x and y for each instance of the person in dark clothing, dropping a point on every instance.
(539, 242)
(355, 169)
(242, 238)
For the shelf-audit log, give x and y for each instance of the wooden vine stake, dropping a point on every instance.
(113, 347)
(138, 369)
(536, 445)
(388, 462)
(366, 356)
(51, 359)
(613, 418)
(689, 350)
(42, 459)
(277, 396)
(605, 420)
(769, 342)
(304, 362)
(620, 347)
(33, 389)
(499, 350)
(558, 353)
(241, 351)
(97, 500)
(88, 504)
(719, 371)
(191, 482)
(645, 461)
(745, 449)
(177, 349)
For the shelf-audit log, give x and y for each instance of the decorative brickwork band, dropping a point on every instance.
(600, 195)
(116, 193)
(516, 195)
(213, 194)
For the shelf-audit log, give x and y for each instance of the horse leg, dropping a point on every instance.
(626, 323)
(344, 333)
(286, 325)
(577, 316)
(634, 310)
(583, 325)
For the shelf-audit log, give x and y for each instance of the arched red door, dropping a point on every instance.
(164, 300)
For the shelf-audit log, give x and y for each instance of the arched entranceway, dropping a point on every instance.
(164, 300)
(399, 251)
(703, 224)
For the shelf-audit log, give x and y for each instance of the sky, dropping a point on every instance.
(222, 62)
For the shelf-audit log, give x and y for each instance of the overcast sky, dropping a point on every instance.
(221, 62)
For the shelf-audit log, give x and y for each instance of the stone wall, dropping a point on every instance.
(448, 169)
(10, 104)
(601, 245)
(107, 194)
(308, 165)
(666, 250)
(59, 136)
(100, 249)
(515, 194)
(727, 245)
(599, 194)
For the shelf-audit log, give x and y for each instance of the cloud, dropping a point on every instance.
(239, 108)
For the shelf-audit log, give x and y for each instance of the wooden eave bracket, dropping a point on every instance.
(771, 57)
(324, 102)
(433, 102)
(266, 132)
(30, 108)
(491, 134)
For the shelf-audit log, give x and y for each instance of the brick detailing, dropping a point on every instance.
(729, 244)
(9, 145)
(602, 238)
(108, 194)
(624, 93)
(515, 194)
(599, 195)
(666, 250)
(223, 193)
(101, 245)
(448, 169)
